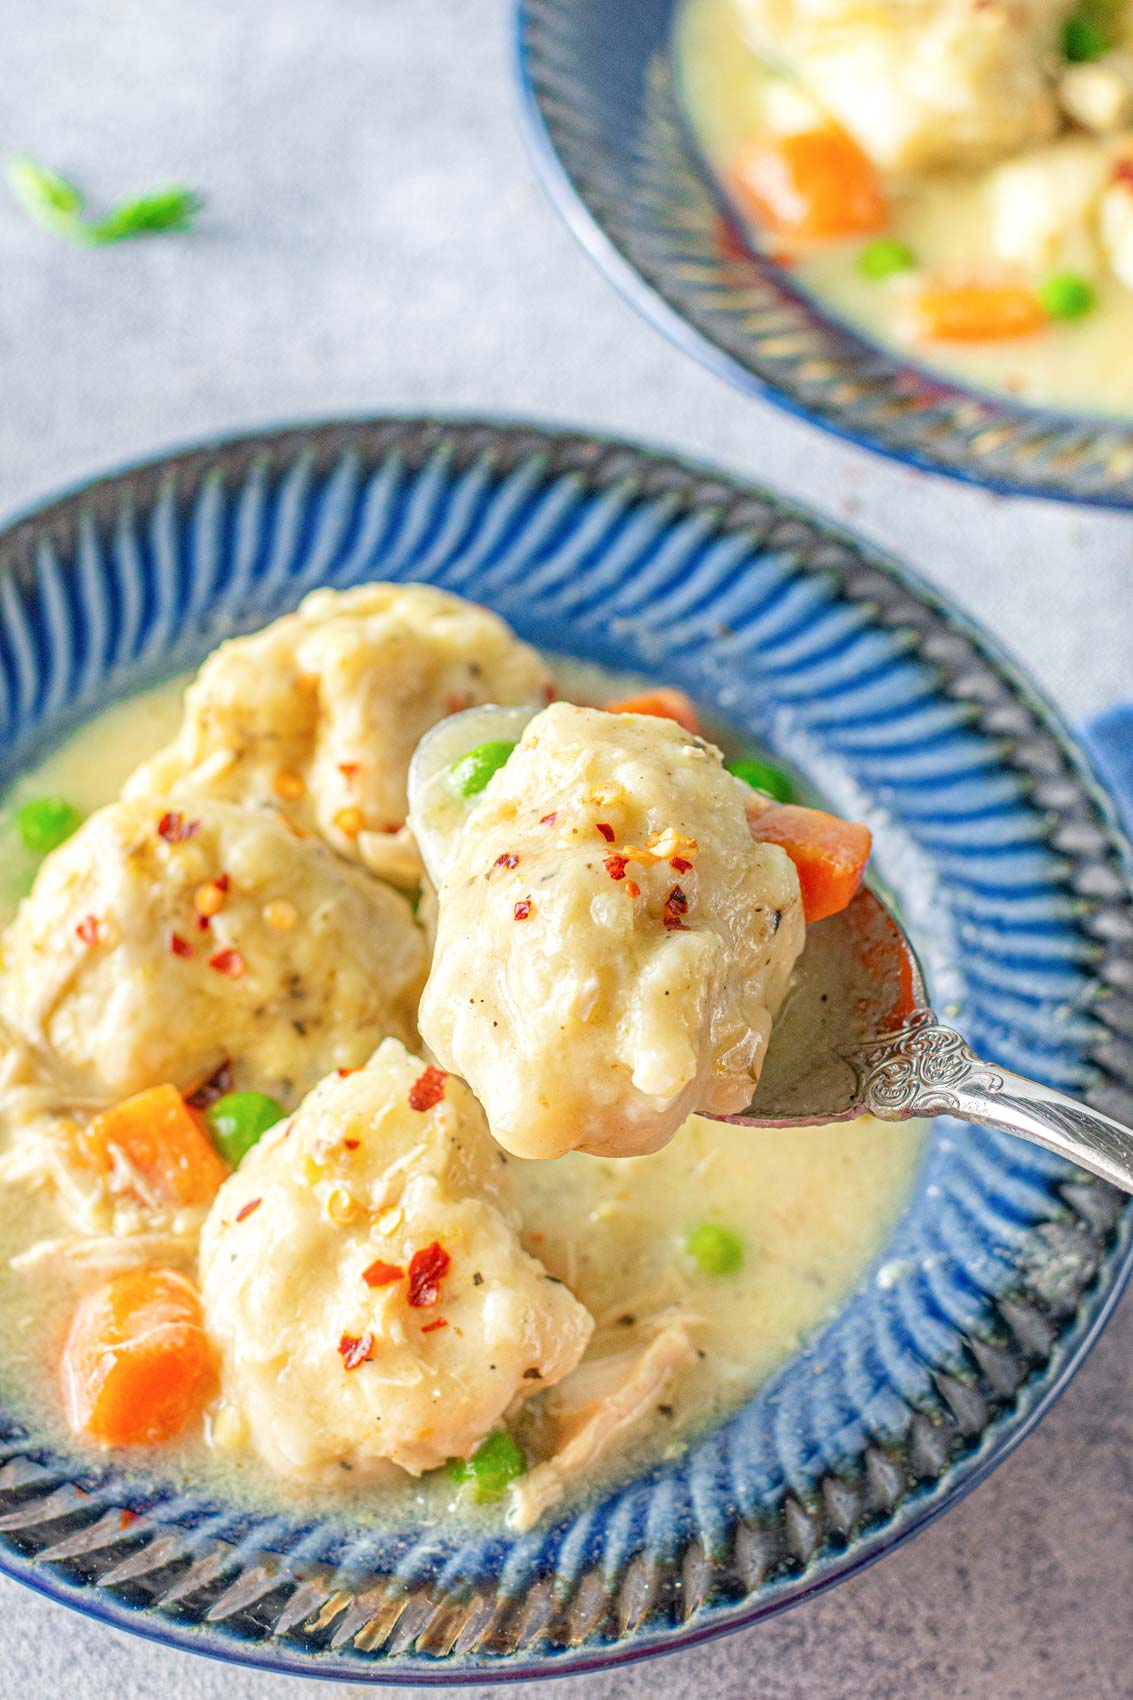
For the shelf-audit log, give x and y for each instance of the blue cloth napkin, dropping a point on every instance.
(1109, 739)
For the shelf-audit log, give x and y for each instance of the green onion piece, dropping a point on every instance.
(497, 1461)
(58, 205)
(761, 776)
(884, 258)
(1067, 296)
(238, 1120)
(472, 772)
(1084, 39)
(718, 1250)
(163, 209)
(46, 822)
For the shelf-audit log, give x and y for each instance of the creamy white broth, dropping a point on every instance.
(1080, 365)
(812, 1207)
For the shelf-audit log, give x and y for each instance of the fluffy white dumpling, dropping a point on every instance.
(611, 944)
(318, 714)
(113, 983)
(363, 1278)
(921, 83)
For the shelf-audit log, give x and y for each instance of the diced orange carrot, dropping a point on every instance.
(818, 183)
(160, 1138)
(663, 704)
(829, 854)
(975, 312)
(137, 1365)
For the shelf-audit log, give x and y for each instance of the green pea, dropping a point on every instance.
(761, 776)
(238, 1120)
(1067, 296)
(884, 258)
(46, 822)
(718, 1250)
(472, 772)
(1084, 39)
(497, 1461)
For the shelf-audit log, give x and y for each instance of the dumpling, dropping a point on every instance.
(611, 943)
(363, 1279)
(317, 715)
(921, 83)
(157, 944)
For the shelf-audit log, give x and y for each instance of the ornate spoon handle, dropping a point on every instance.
(928, 1070)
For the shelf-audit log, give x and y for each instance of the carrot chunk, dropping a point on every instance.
(137, 1365)
(818, 183)
(975, 312)
(662, 704)
(829, 854)
(157, 1134)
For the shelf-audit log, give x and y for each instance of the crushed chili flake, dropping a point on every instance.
(458, 701)
(229, 962)
(356, 1349)
(680, 864)
(180, 946)
(427, 1269)
(218, 1083)
(428, 1089)
(1123, 172)
(343, 1072)
(174, 828)
(676, 908)
(349, 770)
(246, 1210)
(615, 866)
(632, 888)
(126, 1517)
(87, 929)
(549, 694)
(508, 860)
(203, 923)
(549, 820)
(222, 882)
(431, 1327)
(606, 831)
(352, 1144)
(381, 1274)
(523, 909)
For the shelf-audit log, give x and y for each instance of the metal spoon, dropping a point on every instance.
(858, 1036)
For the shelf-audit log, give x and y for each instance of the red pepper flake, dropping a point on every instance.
(549, 694)
(508, 860)
(349, 770)
(522, 909)
(222, 882)
(606, 831)
(174, 828)
(431, 1327)
(676, 908)
(218, 1083)
(126, 1517)
(246, 1210)
(679, 863)
(356, 1349)
(343, 1072)
(203, 923)
(229, 962)
(427, 1269)
(549, 820)
(458, 701)
(87, 929)
(1123, 172)
(615, 866)
(352, 1144)
(428, 1089)
(381, 1274)
(391, 826)
(632, 888)
(180, 946)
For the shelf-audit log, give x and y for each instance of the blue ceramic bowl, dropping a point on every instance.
(993, 836)
(611, 143)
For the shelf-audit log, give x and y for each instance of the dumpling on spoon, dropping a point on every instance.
(612, 943)
(318, 714)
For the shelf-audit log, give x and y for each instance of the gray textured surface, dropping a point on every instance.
(375, 239)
